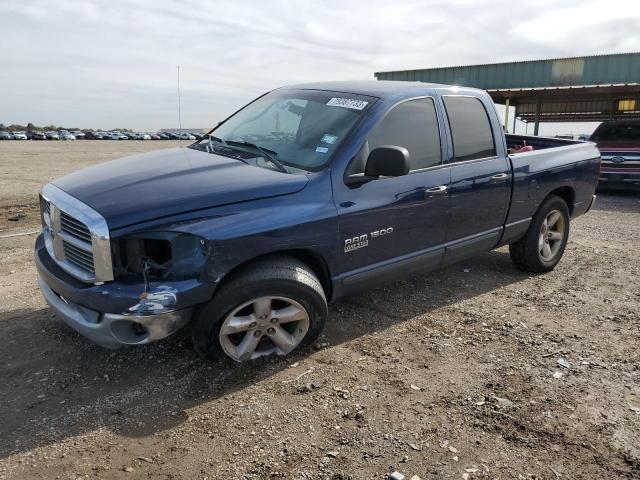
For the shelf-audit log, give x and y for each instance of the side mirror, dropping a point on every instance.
(387, 161)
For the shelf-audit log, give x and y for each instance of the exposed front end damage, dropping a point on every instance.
(111, 330)
(149, 300)
(151, 283)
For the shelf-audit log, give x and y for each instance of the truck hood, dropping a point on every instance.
(168, 182)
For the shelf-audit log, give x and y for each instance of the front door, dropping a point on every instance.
(397, 225)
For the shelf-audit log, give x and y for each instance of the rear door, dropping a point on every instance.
(386, 221)
(480, 178)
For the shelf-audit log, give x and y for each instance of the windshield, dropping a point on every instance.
(299, 128)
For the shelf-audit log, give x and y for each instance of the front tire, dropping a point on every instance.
(273, 306)
(543, 245)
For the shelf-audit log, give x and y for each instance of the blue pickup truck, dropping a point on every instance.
(307, 194)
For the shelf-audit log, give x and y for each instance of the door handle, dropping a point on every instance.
(435, 191)
(499, 178)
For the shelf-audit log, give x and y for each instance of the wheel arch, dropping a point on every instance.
(525, 252)
(312, 259)
(566, 193)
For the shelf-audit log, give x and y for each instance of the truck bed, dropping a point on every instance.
(553, 163)
(538, 143)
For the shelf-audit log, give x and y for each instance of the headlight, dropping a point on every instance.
(164, 255)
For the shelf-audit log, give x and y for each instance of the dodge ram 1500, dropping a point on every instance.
(305, 195)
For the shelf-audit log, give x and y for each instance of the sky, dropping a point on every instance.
(111, 63)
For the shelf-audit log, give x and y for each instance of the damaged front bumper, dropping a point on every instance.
(110, 330)
(116, 314)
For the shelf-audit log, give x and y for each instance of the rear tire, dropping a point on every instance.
(543, 245)
(273, 306)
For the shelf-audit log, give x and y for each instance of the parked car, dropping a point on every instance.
(79, 135)
(155, 136)
(65, 135)
(20, 136)
(186, 136)
(198, 136)
(138, 136)
(164, 136)
(115, 135)
(172, 135)
(93, 135)
(339, 187)
(51, 135)
(619, 145)
(36, 135)
(4, 135)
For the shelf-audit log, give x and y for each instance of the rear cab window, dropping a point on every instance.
(470, 128)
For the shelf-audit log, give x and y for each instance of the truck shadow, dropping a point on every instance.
(56, 385)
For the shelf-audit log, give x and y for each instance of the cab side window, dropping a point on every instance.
(414, 126)
(470, 128)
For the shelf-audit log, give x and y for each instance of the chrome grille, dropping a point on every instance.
(76, 236)
(80, 258)
(74, 227)
(621, 160)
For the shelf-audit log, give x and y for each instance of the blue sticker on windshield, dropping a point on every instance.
(322, 149)
(330, 139)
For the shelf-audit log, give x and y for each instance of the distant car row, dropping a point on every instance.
(90, 135)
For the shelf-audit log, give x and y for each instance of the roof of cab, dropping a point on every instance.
(375, 88)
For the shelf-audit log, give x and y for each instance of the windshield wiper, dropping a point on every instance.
(212, 139)
(269, 154)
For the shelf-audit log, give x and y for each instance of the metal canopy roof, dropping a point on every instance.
(595, 88)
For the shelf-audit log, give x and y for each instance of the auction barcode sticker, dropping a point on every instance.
(347, 103)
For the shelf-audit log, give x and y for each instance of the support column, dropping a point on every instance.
(515, 111)
(536, 125)
(506, 116)
(613, 109)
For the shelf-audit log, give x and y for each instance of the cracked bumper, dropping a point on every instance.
(111, 330)
(111, 314)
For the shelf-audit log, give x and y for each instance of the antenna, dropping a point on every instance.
(179, 104)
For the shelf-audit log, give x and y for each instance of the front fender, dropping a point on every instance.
(235, 234)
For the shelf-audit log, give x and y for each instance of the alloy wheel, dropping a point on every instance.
(263, 326)
(551, 235)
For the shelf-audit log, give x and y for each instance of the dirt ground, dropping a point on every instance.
(475, 371)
